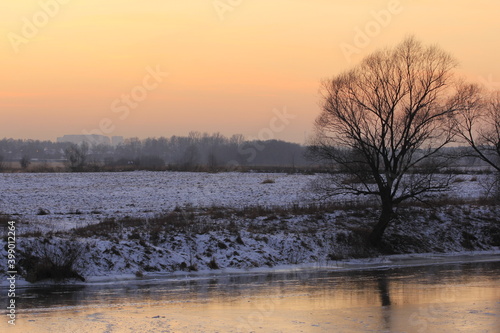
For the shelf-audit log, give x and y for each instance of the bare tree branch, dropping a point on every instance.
(386, 117)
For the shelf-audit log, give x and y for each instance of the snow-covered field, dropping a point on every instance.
(72, 199)
(224, 238)
(77, 199)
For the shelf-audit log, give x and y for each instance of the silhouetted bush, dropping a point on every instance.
(42, 211)
(42, 260)
(25, 162)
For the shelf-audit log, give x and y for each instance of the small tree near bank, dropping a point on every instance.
(479, 126)
(25, 162)
(76, 156)
(383, 120)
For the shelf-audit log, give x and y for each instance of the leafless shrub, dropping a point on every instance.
(212, 264)
(57, 260)
(2, 163)
(42, 211)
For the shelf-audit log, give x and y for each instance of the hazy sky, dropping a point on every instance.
(234, 66)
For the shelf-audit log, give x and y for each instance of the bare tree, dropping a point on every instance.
(76, 156)
(190, 157)
(385, 119)
(25, 162)
(479, 124)
(2, 163)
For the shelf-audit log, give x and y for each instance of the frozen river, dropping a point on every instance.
(452, 297)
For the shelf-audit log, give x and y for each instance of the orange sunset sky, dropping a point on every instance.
(69, 66)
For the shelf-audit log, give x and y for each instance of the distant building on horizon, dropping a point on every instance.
(92, 139)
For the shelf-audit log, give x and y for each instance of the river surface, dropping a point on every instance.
(452, 297)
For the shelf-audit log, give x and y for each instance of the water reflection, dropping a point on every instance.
(385, 299)
(444, 298)
(383, 289)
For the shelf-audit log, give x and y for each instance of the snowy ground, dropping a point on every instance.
(78, 199)
(192, 239)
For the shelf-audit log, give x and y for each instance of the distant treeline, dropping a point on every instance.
(195, 152)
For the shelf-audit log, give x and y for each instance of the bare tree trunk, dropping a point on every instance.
(386, 117)
(383, 221)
